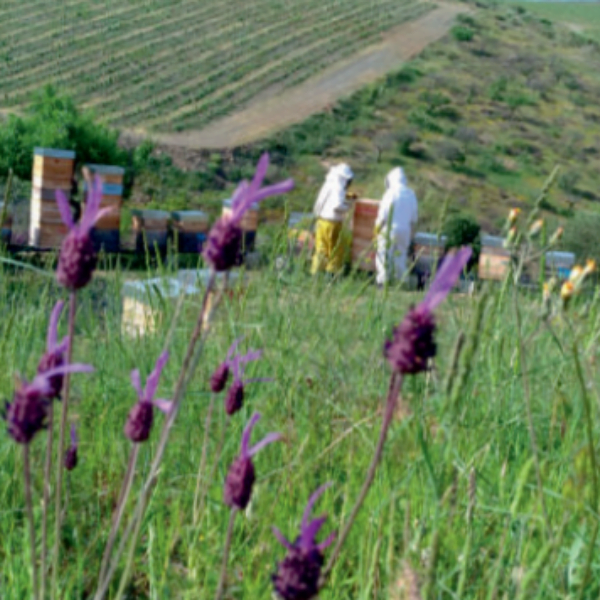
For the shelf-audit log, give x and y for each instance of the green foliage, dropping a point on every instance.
(582, 236)
(463, 231)
(462, 34)
(53, 121)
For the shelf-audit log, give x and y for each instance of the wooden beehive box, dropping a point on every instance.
(52, 171)
(153, 225)
(494, 260)
(559, 263)
(52, 168)
(363, 225)
(191, 228)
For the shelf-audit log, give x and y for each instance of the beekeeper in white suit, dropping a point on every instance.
(394, 226)
(330, 209)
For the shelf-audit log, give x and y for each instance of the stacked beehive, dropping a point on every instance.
(52, 171)
(191, 229)
(363, 226)
(248, 224)
(153, 226)
(106, 232)
(494, 260)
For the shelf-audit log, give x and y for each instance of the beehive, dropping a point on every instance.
(153, 225)
(52, 171)
(191, 229)
(494, 260)
(363, 225)
(143, 303)
(559, 263)
(428, 248)
(106, 232)
(248, 224)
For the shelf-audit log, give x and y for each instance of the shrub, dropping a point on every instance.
(52, 120)
(463, 231)
(462, 34)
(582, 234)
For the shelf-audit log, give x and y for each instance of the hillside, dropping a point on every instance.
(164, 65)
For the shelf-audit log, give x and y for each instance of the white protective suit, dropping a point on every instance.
(331, 203)
(395, 220)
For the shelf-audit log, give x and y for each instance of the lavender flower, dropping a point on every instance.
(224, 241)
(241, 475)
(55, 352)
(413, 342)
(234, 399)
(27, 413)
(78, 258)
(140, 419)
(297, 576)
(71, 455)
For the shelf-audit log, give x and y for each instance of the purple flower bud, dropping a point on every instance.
(239, 482)
(27, 413)
(234, 400)
(219, 378)
(141, 416)
(71, 454)
(78, 258)
(139, 422)
(222, 249)
(223, 245)
(413, 342)
(77, 262)
(297, 576)
(241, 476)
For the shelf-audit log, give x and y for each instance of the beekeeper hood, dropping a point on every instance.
(331, 203)
(399, 202)
(396, 179)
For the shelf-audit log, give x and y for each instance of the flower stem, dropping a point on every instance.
(202, 466)
(393, 393)
(61, 446)
(120, 509)
(46, 498)
(133, 527)
(228, 538)
(29, 503)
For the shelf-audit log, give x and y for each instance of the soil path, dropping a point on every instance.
(277, 109)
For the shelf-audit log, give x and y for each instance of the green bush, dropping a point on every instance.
(53, 121)
(462, 34)
(463, 231)
(582, 234)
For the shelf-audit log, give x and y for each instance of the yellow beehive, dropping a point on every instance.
(363, 225)
(52, 171)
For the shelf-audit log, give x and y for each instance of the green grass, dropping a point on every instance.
(585, 16)
(323, 347)
(165, 65)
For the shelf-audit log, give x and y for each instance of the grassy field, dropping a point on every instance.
(166, 65)
(456, 498)
(584, 17)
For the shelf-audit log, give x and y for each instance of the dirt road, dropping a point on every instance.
(267, 115)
